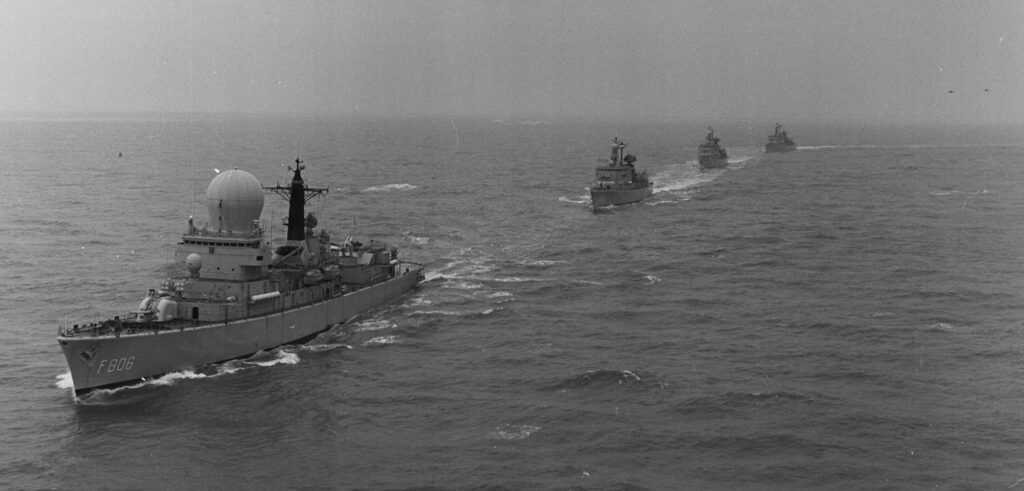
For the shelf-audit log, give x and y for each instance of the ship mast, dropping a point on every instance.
(297, 195)
(617, 149)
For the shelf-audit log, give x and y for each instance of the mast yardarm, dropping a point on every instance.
(297, 195)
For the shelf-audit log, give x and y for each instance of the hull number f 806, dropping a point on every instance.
(116, 364)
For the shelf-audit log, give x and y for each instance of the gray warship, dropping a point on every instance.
(242, 293)
(618, 182)
(779, 141)
(711, 154)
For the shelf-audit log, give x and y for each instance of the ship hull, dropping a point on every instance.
(608, 197)
(773, 148)
(712, 163)
(110, 361)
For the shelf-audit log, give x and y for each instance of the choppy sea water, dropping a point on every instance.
(845, 316)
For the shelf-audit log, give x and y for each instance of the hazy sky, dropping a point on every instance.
(676, 60)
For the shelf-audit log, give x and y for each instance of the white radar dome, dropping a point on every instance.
(194, 262)
(234, 200)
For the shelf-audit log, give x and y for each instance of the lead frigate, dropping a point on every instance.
(240, 291)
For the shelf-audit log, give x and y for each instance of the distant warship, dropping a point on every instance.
(711, 155)
(618, 182)
(779, 141)
(240, 294)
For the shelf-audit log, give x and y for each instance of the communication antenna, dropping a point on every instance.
(191, 120)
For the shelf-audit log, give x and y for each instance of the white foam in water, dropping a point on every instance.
(514, 432)
(375, 325)
(381, 341)
(462, 269)
(435, 312)
(661, 202)
(64, 381)
(453, 313)
(947, 192)
(680, 178)
(515, 279)
(432, 275)
(824, 147)
(677, 185)
(652, 279)
(580, 200)
(463, 285)
(282, 358)
(539, 262)
(414, 239)
(477, 267)
(98, 396)
(499, 295)
(173, 377)
(320, 348)
(391, 187)
(227, 369)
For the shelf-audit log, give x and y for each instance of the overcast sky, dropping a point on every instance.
(666, 60)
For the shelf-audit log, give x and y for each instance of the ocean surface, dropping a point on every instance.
(846, 316)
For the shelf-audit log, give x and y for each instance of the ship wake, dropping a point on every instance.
(681, 180)
(583, 200)
(391, 187)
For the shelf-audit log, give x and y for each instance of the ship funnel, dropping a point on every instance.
(234, 200)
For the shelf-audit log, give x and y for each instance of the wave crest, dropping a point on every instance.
(600, 379)
(381, 341)
(391, 187)
(514, 432)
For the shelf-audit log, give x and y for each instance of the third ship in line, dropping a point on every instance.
(242, 293)
(779, 141)
(618, 182)
(710, 154)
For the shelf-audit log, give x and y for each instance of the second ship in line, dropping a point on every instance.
(618, 182)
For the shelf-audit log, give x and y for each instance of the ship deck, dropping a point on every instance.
(129, 323)
(126, 326)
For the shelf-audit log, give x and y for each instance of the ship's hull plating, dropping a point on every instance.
(712, 162)
(778, 148)
(105, 361)
(608, 197)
